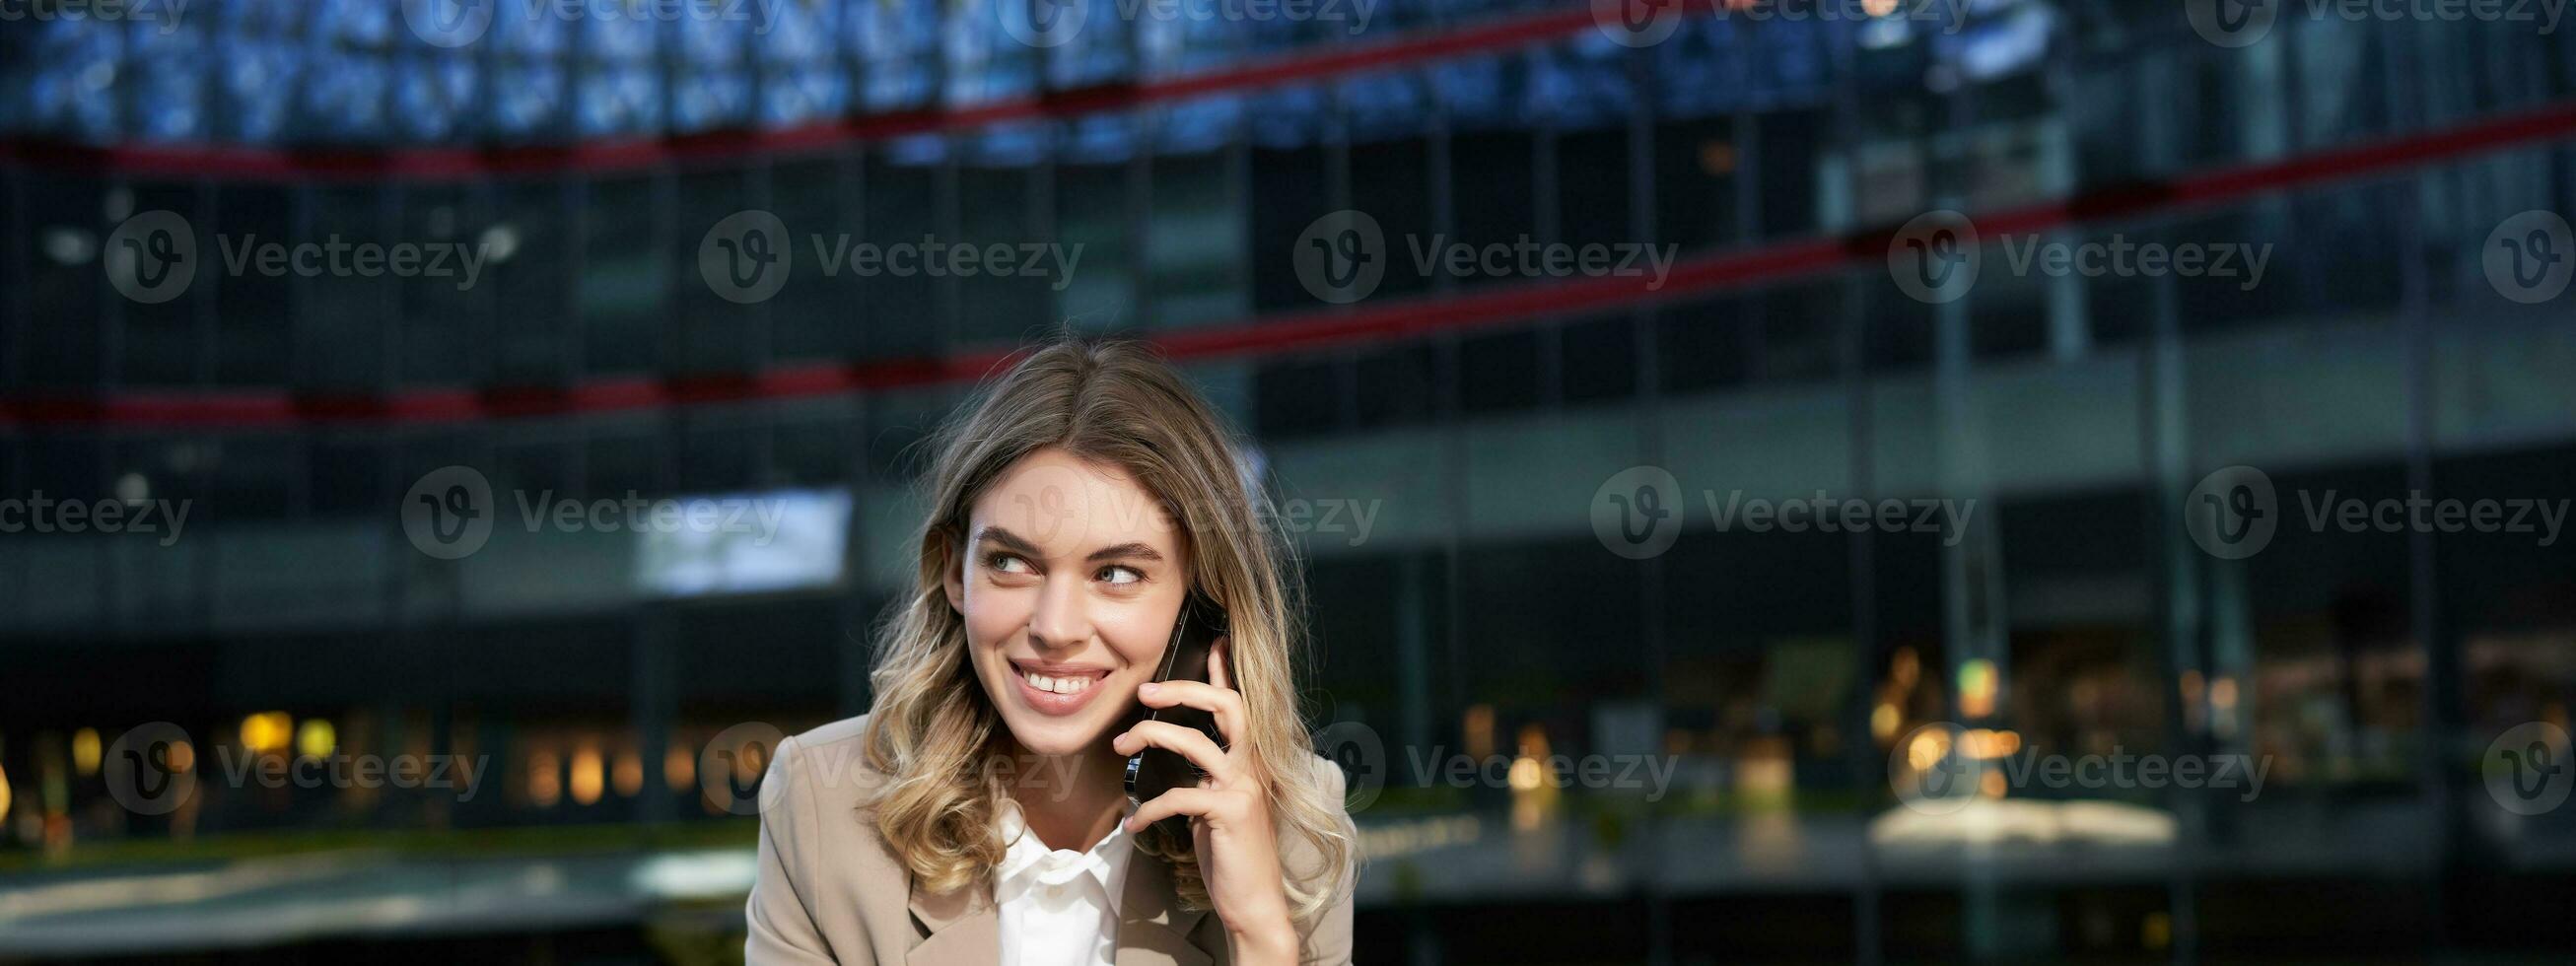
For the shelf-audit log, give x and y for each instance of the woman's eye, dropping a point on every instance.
(1121, 575)
(1007, 563)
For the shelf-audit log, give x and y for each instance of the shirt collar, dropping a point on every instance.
(1029, 863)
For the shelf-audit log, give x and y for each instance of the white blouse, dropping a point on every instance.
(1058, 907)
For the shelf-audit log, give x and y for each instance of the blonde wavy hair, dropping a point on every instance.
(935, 734)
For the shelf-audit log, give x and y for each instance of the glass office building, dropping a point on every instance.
(1441, 449)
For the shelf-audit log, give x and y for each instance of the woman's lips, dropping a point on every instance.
(1039, 689)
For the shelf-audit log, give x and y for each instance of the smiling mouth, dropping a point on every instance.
(1059, 680)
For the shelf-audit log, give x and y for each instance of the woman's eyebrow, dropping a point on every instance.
(1009, 541)
(1132, 550)
(1126, 551)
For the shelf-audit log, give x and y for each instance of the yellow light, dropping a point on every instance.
(1984, 744)
(1992, 785)
(545, 779)
(1883, 721)
(316, 739)
(1905, 668)
(1479, 730)
(586, 783)
(1977, 688)
(2222, 694)
(4, 793)
(1928, 747)
(85, 752)
(628, 775)
(183, 757)
(1533, 740)
(1878, 8)
(1524, 774)
(2156, 932)
(679, 768)
(267, 731)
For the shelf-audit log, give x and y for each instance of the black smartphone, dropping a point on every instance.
(1156, 770)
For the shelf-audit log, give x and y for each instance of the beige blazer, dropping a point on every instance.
(830, 891)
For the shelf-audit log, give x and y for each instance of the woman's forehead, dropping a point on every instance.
(1065, 505)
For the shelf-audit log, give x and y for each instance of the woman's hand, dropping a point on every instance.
(1229, 812)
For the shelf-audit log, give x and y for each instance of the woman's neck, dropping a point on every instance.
(1070, 801)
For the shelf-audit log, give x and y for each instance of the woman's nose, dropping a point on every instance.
(1062, 617)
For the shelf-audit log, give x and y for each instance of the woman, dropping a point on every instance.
(977, 813)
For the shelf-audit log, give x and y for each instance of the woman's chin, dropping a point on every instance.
(1049, 736)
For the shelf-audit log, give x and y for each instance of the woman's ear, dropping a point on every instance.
(952, 573)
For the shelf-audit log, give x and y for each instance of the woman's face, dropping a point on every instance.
(1071, 581)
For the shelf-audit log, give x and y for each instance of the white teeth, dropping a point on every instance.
(1066, 685)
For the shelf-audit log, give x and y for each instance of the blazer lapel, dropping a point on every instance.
(1153, 929)
(961, 927)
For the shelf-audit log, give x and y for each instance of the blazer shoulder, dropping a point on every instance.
(828, 765)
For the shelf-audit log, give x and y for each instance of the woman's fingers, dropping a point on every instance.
(1218, 673)
(1226, 706)
(1189, 742)
(1194, 802)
